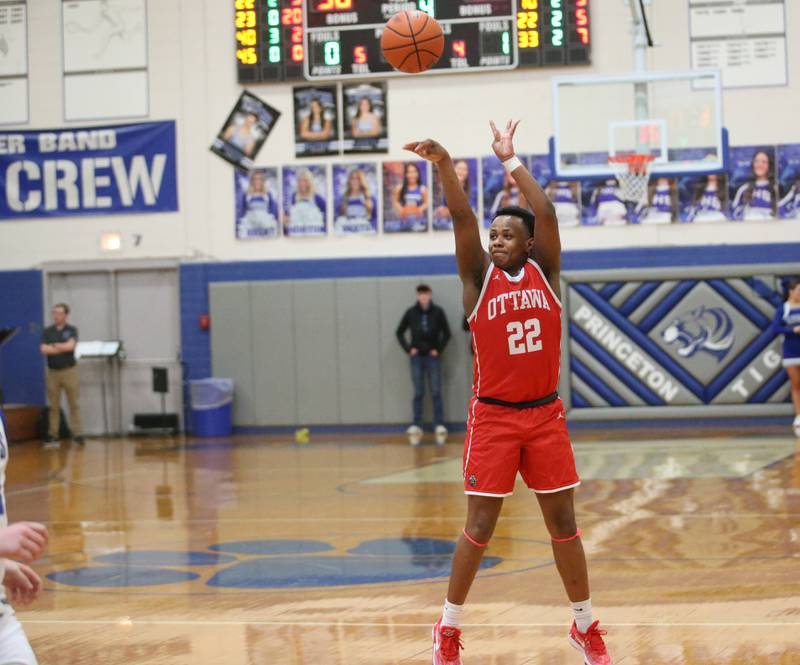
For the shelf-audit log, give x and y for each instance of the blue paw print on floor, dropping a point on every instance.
(274, 564)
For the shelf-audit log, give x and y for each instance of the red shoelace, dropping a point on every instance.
(594, 637)
(451, 643)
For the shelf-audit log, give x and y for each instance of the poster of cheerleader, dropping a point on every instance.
(467, 173)
(661, 204)
(305, 208)
(257, 210)
(406, 199)
(365, 117)
(789, 181)
(355, 203)
(564, 194)
(316, 121)
(752, 183)
(499, 188)
(247, 127)
(602, 203)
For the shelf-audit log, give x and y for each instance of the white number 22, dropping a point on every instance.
(517, 331)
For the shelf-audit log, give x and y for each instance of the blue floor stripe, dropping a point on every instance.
(614, 366)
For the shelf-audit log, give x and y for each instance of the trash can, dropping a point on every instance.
(212, 404)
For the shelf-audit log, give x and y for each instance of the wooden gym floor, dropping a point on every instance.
(258, 551)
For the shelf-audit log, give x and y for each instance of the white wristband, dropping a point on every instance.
(511, 163)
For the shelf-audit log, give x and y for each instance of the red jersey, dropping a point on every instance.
(516, 334)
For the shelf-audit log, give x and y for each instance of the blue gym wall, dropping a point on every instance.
(196, 277)
(21, 364)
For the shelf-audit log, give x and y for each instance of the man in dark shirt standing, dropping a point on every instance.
(58, 346)
(430, 333)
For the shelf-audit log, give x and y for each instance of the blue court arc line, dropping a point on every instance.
(608, 291)
(637, 298)
(757, 346)
(770, 387)
(120, 576)
(638, 337)
(272, 547)
(614, 366)
(595, 383)
(579, 401)
(164, 558)
(739, 303)
(656, 315)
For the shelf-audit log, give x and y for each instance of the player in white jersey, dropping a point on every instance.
(23, 541)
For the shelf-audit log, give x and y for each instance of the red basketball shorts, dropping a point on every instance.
(502, 441)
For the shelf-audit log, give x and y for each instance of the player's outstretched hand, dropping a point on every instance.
(22, 583)
(23, 541)
(427, 149)
(503, 142)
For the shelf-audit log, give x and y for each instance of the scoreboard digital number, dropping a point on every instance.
(343, 36)
(269, 40)
(287, 40)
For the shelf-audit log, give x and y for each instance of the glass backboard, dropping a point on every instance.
(674, 116)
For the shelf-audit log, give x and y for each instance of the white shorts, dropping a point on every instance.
(790, 362)
(14, 646)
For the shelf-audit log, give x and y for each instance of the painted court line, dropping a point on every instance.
(125, 622)
(645, 514)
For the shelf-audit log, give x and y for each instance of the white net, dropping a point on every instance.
(633, 176)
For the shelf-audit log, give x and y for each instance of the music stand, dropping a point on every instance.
(100, 350)
(5, 336)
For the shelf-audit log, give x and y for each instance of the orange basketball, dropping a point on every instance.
(412, 42)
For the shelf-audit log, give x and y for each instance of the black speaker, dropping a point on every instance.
(160, 380)
(156, 421)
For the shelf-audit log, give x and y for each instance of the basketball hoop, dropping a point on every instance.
(633, 174)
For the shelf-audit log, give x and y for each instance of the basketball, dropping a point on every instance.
(412, 42)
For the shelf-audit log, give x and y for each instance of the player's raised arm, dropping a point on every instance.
(547, 242)
(472, 259)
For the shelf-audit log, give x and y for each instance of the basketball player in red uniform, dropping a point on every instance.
(516, 419)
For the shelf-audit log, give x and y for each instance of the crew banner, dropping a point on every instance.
(116, 170)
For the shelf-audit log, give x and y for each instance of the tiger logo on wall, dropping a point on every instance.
(708, 329)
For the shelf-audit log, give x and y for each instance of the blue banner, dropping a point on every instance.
(122, 169)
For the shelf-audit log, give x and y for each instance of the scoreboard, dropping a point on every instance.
(287, 40)
(269, 40)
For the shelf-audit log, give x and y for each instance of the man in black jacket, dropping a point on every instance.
(430, 333)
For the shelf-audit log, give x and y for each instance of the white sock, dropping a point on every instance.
(797, 421)
(583, 614)
(452, 614)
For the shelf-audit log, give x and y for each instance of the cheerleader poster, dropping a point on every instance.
(564, 194)
(355, 188)
(365, 117)
(316, 121)
(752, 183)
(305, 206)
(789, 181)
(603, 204)
(499, 188)
(467, 174)
(257, 211)
(244, 132)
(406, 200)
(661, 204)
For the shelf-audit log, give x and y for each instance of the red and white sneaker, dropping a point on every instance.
(446, 645)
(590, 644)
